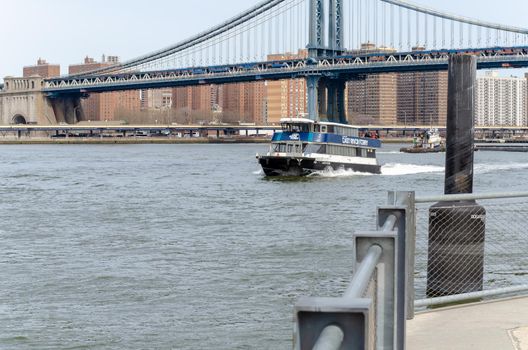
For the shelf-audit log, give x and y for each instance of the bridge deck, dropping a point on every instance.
(496, 325)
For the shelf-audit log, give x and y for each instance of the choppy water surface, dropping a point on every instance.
(184, 246)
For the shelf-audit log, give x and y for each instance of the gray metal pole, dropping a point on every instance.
(331, 338)
(470, 296)
(386, 248)
(362, 276)
(470, 197)
(389, 223)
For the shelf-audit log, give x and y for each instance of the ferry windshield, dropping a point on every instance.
(296, 127)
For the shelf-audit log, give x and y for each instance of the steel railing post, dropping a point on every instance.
(353, 321)
(408, 199)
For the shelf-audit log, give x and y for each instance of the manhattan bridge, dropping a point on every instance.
(330, 33)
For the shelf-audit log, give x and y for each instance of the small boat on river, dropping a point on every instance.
(429, 141)
(305, 146)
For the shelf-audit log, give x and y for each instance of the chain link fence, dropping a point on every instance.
(465, 247)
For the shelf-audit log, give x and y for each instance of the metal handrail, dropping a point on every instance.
(332, 336)
(470, 296)
(331, 339)
(364, 273)
(384, 316)
(373, 309)
(468, 197)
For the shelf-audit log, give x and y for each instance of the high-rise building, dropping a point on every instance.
(418, 98)
(286, 98)
(422, 98)
(233, 102)
(258, 102)
(501, 101)
(373, 99)
(106, 106)
(43, 69)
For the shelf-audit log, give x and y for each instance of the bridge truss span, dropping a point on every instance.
(351, 65)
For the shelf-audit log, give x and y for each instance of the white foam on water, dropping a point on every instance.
(391, 169)
(258, 172)
(397, 169)
(388, 152)
(488, 168)
(338, 173)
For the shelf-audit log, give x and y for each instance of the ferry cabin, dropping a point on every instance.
(307, 137)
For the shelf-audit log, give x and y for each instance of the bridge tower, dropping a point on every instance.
(326, 93)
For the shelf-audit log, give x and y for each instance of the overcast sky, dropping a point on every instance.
(65, 32)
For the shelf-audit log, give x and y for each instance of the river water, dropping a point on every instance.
(185, 246)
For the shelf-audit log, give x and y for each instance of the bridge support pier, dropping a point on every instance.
(313, 97)
(335, 101)
(326, 99)
(68, 109)
(322, 97)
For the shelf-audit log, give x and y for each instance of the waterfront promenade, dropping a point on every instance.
(493, 325)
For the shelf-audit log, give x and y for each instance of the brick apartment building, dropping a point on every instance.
(418, 98)
(286, 98)
(373, 99)
(422, 98)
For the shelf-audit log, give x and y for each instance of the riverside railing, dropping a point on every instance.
(476, 252)
(372, 312)
(492, 265)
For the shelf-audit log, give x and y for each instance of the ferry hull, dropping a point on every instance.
(293, 166)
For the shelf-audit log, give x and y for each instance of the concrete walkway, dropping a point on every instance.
(496, 325)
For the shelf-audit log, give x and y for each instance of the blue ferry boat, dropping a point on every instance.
(305, 146)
